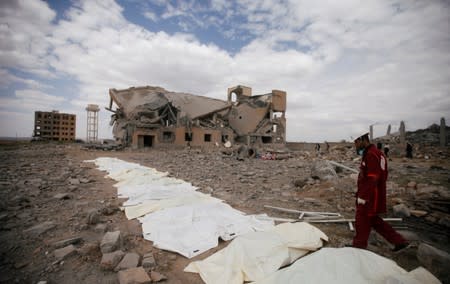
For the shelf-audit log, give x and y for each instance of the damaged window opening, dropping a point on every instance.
(207, 137)
(145, 141)
(234, 98)
(266, 139)
(168, 136)
(188, 136)
(224, 138)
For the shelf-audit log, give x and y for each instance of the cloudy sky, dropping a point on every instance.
(344, 64)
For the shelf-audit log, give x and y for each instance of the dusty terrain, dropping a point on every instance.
(48, 194)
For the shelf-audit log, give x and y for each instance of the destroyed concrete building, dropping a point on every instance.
(152, 116)
(54, 126)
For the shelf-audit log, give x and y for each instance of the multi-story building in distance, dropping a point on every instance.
(54, 125)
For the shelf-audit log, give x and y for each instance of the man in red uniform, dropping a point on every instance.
(371, 197)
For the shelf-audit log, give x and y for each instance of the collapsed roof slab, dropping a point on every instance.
(192, 105)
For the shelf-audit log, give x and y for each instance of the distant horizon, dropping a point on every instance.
(9, 138)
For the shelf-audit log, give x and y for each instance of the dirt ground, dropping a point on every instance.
(48, 194)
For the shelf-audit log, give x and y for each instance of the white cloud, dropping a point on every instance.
(6, 79)
(344, 64)
(151, 16)
(29, 100)
(24, 28)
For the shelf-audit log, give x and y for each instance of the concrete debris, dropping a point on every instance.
(111, 260)
(323, 170)
(157, 277)
(67, 242)
(130, 260)
(110, 242)
(401, 210)
(65, 252)
(63, 196)
(101, 228)
(148, 261)
(136, 275)
(39, 229)
(418, 213)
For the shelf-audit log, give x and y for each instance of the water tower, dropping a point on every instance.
(92, 123)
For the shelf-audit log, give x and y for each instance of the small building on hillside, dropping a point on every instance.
(54, 126)
(152, 116)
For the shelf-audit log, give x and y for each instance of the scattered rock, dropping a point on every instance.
(130, 260)
(109, 209)
(67, 242)
(101, 228)
(156, 276)
(63, 196)
(110, 260)
(135, 275)
(39, 229)
(148, 261)
(89, 249)
(418, 213)
(400, 210)
(64, 252)
(323, 170)
(300, 183)
(74, 181)
(110, 242)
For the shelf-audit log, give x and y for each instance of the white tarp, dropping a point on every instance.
(185, 198)
(256, 255)
(174, 215)
(347, 265)
(201, 225)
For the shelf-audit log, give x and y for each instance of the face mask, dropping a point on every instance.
(360, 152)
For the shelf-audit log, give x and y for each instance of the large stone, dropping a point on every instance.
(67, 242)
(135, 275)
(39, 229)
(101, 228)
(110, 260)
(435, 260)
(156, 276)
(148, 261)
(74, 181)
(64, 252)
(130, 260)
(418, 213)
(323, 170)
(63, 196)
(110, 242)
(401, 210)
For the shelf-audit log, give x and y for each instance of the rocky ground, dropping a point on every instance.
(55, 209)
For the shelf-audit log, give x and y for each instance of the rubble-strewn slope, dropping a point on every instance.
(49, 195)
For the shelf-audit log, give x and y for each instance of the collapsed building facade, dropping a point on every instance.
(152, 116)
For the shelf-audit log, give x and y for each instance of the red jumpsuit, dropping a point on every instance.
(372, 178)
